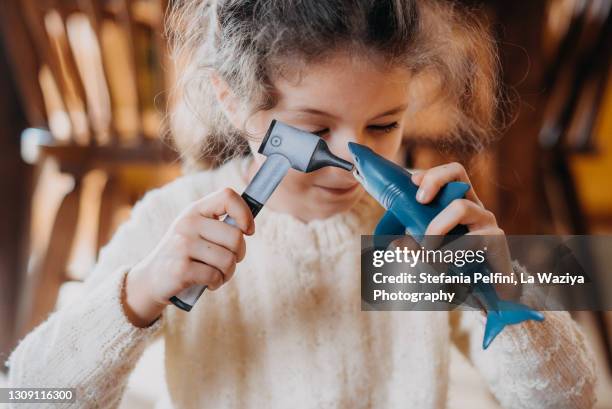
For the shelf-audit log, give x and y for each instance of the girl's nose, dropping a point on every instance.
(338, 143)
(341, 150)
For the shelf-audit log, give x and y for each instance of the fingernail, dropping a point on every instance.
(421, 195)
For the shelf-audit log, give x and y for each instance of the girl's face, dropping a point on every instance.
(342, 100)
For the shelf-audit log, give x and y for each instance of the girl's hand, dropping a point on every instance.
(469, 212)
(198, 248)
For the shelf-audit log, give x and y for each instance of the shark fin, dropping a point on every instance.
(388, 225)
(508, 313)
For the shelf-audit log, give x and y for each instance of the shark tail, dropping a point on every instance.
(508, 313)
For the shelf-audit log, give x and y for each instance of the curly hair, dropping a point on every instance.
(249, 42)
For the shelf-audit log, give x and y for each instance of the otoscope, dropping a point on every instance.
(284, 147)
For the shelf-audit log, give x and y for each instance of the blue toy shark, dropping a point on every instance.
(392, 187)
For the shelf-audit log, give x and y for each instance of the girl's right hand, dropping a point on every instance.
(197, 249)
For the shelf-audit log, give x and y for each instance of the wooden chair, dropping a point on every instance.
(92, 82)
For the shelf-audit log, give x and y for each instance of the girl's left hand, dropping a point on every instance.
(469, 212)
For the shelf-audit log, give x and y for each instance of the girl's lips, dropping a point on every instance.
(339, 190)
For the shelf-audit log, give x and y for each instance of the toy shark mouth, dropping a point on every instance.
(358, 175)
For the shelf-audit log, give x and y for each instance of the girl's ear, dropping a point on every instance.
(226, 98)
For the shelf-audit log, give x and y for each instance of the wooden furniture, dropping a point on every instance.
(12, 214)
(91, 76)
(576, 82)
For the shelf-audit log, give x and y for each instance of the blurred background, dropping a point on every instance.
(84, 94)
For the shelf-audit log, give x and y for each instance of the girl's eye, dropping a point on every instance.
(377, 128)
(384, 128)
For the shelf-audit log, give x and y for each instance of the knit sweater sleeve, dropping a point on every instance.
(90, 344)
(539, 365)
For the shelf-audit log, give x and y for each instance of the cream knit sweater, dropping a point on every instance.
(287, 331)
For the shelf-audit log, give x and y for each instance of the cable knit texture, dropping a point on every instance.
(288, 330)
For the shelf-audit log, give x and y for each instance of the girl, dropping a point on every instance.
(288, 331)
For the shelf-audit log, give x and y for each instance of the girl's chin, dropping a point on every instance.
(337, 193)
(316, 203)
(332, 201)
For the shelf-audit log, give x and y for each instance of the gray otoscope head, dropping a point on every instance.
(305, 151)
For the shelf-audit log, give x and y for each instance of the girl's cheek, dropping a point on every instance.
(298, 182)
(386, 145)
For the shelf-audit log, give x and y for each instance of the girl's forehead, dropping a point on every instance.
(343, 81)
(344, 66)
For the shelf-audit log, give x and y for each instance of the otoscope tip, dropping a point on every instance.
(323, 157)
